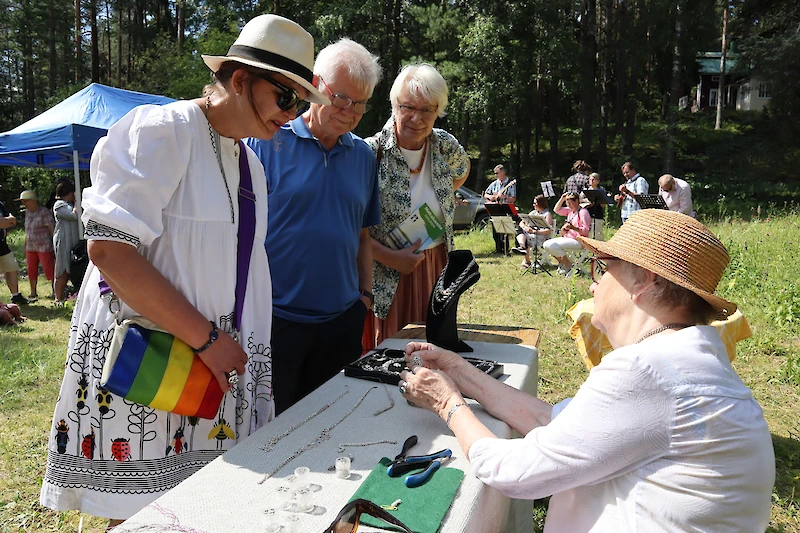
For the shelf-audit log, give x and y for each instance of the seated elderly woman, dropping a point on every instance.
(662, 436)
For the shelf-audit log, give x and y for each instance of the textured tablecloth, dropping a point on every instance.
(231, 495)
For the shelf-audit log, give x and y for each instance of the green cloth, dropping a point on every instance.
(423, 507)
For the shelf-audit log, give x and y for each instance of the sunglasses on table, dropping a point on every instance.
(599, 267)
(350, 517)
(289, 98)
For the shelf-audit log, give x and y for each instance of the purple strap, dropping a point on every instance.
(247, 231)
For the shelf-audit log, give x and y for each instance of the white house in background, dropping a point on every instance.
(744, 94)
(754, 95)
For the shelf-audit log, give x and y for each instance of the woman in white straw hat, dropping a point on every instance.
(163, 224)
(662, 436)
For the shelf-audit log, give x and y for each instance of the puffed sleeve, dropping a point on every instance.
(63, 211)
(619, 420)
(454, 154)
(135, 170)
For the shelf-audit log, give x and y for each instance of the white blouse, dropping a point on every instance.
(662, 436)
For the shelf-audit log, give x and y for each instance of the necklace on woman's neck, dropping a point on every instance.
(659, 329)
(422, 160)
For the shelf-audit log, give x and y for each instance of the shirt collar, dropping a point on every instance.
(300, 128)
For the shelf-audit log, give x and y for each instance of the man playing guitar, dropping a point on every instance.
(502, 190)
(634, 184)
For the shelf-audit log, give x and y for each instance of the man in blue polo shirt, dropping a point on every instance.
(322, 197)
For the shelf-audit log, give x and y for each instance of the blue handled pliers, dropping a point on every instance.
(429, 464)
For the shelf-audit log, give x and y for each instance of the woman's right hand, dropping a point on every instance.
(407, 259)
(224, 355)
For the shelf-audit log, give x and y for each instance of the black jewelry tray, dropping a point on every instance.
(385, 364)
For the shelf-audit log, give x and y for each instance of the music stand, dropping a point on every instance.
(650, 201)
(595, 196)
(506, 215)
(537, 222)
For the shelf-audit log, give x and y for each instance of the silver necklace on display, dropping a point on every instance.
(270, 444)
(659, 329)
(391, 402)
(324, 435)
(214, 138)
(362, 444)
(442, 297)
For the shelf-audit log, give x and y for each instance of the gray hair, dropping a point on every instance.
(347, 56)
(666, 179)
(423, 81)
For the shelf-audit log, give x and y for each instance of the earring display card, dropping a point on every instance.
(385, 364)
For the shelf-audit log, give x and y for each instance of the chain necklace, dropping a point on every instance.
(391, 402)
(324, 435)
(214, 137)
(270, 444)
(665, 327)
(441, 297)
(362, 444)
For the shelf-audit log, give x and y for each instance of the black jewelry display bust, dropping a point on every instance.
(460, 273)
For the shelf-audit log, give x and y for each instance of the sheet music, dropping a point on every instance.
(547, 189)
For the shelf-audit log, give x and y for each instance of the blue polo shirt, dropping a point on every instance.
(318, 202)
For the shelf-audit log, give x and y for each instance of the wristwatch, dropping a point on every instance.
(369, 296)
(212, 336)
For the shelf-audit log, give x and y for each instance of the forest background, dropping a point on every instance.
(534, 84)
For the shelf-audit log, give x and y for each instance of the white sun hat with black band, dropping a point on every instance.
(274, 43)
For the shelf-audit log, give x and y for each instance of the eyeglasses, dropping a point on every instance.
(426, 112)
(599, 267)
(349, 517)
(289, 98)
(342, 101)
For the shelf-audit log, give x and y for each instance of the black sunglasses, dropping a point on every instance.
(289, 98)
(349, 517)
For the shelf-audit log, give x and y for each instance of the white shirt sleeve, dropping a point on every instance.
(136, 169)
(619, 420)
(685, 200)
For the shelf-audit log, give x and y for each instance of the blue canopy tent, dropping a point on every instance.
(65, 135)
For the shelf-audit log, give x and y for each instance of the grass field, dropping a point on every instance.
(763, 279)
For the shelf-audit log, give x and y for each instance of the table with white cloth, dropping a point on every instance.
(232, 492)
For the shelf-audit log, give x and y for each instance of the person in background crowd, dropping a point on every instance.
(323, 195)
(39, 228)
(578, 224)
(579, 180)
(677, 194)
(501, 191)
(162, 219)
(418, 164)
(65, 237)
(634, 184)
(662, 436)
(8, 264)
(529, 237)
(597, 210)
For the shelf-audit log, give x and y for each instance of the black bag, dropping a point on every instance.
(79, 261)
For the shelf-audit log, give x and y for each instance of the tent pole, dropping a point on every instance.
(78, 210)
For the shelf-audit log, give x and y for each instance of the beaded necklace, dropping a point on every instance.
(422, 160)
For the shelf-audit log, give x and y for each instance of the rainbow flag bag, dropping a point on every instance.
(150, 366)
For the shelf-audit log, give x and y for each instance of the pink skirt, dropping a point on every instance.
(410, 302)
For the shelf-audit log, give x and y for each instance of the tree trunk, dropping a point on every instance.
(78, 39)
(465, 129)
(605, 80)
(120, 28)
(553, 101)
(622, 67)
(28, 91)
(722, 60)
(94, 40)
(527, 124)
(539, 105)
(181, 24)
(672, 106)
(395, 52)
(633, 82)
(587, 70)
(51, 41)
(108, 42)
(486, 145)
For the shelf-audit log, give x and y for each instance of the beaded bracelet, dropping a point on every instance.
(453, 410)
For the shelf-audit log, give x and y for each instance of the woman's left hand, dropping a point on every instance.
(431, 389)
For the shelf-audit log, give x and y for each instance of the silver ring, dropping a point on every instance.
(403, 384)
(233, 377)
(416, 361)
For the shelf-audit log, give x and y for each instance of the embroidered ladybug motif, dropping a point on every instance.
(62, 436)
(88, 445)
(82, 392)
(103, 400)
(121, 449)
(177, 442)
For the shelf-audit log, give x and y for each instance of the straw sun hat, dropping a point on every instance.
(271, 42)
(674, 246)
(28, 195)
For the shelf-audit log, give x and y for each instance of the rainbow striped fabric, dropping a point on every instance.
(152, 367)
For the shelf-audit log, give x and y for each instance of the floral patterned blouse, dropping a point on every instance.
(449, 162)
(38, 230)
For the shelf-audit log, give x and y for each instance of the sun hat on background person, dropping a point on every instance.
(28, 195)
(277, 44)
